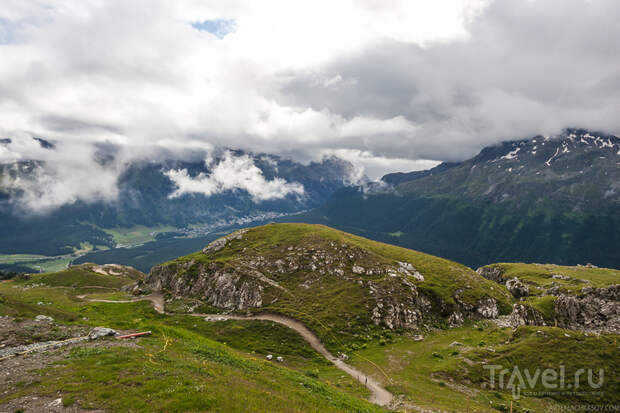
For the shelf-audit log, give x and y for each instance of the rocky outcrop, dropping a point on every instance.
(494, 273)
(525, 315)
(484, 308)
(517, 288)
(393, 309)
(220, 243)
(595, 309)
(218, 286)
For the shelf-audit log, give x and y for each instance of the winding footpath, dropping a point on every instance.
(379, 395)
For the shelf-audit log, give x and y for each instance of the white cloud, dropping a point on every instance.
(233, 173)
(374, 167)
(398, 81)
(57, 176)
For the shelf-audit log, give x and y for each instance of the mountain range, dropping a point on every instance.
(544, 199)
(146, 197)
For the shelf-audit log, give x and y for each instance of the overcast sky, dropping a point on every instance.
(386, 84)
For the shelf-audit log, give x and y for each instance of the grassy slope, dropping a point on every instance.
(204, 366)
(547, 347)
(432, 373)
(341, 307)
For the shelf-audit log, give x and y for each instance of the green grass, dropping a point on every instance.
(15, 258)
(79, 276)
(433, 374)
(547, 347)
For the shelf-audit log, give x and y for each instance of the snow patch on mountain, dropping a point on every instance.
(511, 154)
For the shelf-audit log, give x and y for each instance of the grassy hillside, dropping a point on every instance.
(185, 365)
(313, 266)
(445, 371)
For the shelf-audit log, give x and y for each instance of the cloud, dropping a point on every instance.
(63, 178)
(233, 173)
(390, 83)
(526, 68)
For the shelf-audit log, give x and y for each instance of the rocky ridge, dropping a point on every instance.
(249, 280)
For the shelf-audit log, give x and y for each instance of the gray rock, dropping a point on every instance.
(517, 288)
(357, 269)
(455, 344)
(596, 309)
(456, 319)
(99, 332)
(525, 315)
(269, 357)
(43, 318)
(494, 273)
(279, 359)
(220, 287)
(487, 308)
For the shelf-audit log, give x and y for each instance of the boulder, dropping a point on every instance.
(517, 288)
(357, 269)
(99, 332)
(494, 273)
(487, 308)
(524, 315)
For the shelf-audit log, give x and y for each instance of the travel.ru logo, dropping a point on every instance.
(552, 380)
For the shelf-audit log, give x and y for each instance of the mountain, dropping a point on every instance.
(147, 198)
(545, 199)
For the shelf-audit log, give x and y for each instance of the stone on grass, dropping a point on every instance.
(99, 332)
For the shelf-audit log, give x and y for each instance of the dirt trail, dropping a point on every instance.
(156, 299)
(379, 395)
